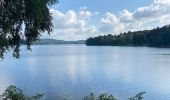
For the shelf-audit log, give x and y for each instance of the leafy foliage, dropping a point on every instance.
(158, 37)
(139, 96)
(100, 97)
(23, 19)
(106, 96)
(14, 93)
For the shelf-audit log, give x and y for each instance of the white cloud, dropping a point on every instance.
(155, 10)
(126, 16)
(109, 19)
(147, 17)
(85, 14)
(68, 20)
(73, 25)
(111, 24)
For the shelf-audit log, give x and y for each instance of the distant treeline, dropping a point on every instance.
(53, 41)
(158, 37)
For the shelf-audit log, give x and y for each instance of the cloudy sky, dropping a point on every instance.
(80, 19)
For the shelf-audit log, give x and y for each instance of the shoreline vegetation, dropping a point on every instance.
(53, 41)
(14, 93)
(158, 37)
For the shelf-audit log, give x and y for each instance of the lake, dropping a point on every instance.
(74, 71)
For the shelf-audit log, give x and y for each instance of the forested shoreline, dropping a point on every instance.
(158, 37)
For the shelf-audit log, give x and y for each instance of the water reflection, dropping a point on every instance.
(5, 82)
(72, 71)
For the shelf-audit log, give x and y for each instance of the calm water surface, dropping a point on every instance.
(73, 71)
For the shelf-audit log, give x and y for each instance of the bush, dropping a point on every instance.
(106, 96)
(14, 93)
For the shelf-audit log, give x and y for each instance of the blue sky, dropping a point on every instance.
(81, 19)
(102, 5)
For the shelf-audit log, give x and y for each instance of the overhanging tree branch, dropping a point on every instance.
(23, 20)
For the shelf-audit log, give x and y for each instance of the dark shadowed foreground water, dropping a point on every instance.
(73, 71)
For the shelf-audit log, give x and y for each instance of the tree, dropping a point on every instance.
(107, 96)
(14, 93)
(158, 37)
(23, 20)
